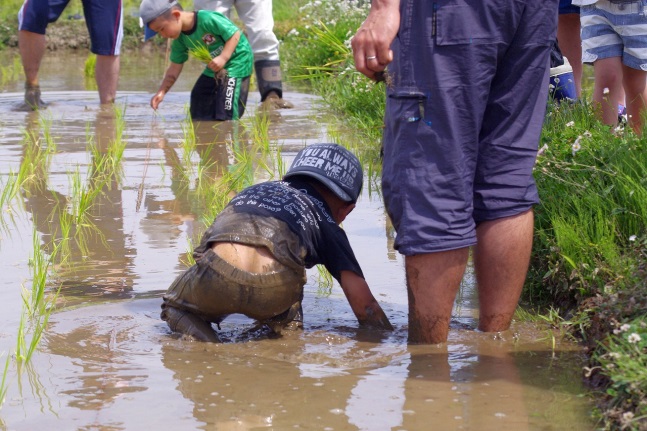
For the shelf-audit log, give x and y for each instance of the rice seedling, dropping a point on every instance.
(189, 143)
(187, 258)
(37, 303)
(11, 72)
(106, 145)
(325, 281)
(117, 145)
(241, 172)
(281, 167)
(10, 190)
(201, 53)
(256, 132)
(89, 69)
(82, 198)
(4, 382)
(216, 201)
(206, 165)
(37, 153)
(90, 66)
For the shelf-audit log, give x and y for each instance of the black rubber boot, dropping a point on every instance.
(268, 76)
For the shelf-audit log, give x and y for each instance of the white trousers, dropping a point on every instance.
(257, 17)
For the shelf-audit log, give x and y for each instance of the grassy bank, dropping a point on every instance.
(588, 266)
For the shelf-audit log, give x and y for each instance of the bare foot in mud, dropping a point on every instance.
(273, 101)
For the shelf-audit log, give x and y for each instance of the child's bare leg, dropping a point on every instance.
(608, 92)
(568, 35)
(635, 84)
(186, 323)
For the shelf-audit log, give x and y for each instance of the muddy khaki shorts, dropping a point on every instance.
(465, 109)
(213, 289)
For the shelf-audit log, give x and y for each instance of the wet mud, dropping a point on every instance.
(107, 361)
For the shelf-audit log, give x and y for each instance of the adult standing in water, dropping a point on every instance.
(465, 106)
(104, 19)
(257, 17)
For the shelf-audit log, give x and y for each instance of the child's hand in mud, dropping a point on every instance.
(157, 99)
(375, 317)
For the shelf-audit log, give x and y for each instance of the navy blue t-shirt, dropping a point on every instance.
(298, 204)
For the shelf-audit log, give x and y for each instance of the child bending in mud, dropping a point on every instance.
(220, 93)
(252, 259)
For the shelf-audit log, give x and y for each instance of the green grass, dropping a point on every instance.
(624, 357)
(593, 190)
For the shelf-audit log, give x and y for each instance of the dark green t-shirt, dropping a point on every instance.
(212, 30)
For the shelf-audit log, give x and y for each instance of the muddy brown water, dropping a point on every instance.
(106, 361)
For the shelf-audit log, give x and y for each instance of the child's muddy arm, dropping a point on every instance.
(362, 301)
(221, 60)
(171, 75)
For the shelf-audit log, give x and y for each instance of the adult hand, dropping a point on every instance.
(372, 42)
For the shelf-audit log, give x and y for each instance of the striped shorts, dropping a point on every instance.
(614, 29)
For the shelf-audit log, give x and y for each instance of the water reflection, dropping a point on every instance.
(365, 387)
(99, 254)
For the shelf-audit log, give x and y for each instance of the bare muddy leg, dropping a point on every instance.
(107, 76)
(32, 49)
(501, 259)
(433, 280)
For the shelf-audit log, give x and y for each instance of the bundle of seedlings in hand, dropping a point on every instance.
(201, 53)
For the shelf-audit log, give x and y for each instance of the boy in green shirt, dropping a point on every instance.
(220, 93)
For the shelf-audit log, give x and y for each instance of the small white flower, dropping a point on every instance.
(570, 124)
(605, 91)
(587, 134)
(627, 416)
(632, 238)
(542, 150)
(633, 338)
(625, 327)
(576, 145)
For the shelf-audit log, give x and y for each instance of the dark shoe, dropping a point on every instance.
(292, 318)
(186, 323)
(32, 97)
